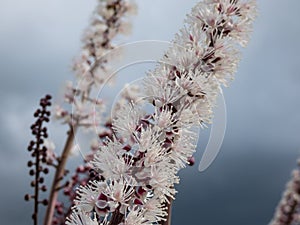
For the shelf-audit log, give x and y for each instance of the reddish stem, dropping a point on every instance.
(59, 173)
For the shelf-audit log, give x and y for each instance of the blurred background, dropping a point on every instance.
(38, 40)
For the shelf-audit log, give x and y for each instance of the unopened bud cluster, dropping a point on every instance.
(38, 150)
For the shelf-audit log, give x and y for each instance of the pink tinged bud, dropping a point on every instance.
(139, 128)
(75, 178)
(80, 169)
(58, 204)
(191, 38)
(67, 191)
(169, 133)
(167, 143)
(220, 8)
(141, 191)
(87, 168)
(102, 197)
(127, 148)
(103, 135)
(55, 221)
(137, 202)
(59, 211)
(191, 161)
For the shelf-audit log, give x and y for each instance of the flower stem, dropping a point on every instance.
(116, 218)
(59, 173)
(169, 211)
(37, 177)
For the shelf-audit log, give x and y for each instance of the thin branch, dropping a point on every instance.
(117, 218)
(59, 173)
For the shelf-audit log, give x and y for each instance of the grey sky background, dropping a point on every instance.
(38, 40)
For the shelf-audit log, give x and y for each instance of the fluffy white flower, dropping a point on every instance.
(159, 88)
(154, 211)
(151, 145)
(120, 191)
(110, 162)
(80, 218)
(183, 147)
(164, 118)
(127, 120)
(135, 217)
(87, 197)
(163, 177)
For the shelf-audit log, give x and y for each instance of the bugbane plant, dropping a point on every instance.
(288, 209)
(154, 136)
(110, 18)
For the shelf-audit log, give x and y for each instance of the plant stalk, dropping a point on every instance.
(59, 173)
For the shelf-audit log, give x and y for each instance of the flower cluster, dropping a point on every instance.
(109, 19)
(288, 210)
(140, 162)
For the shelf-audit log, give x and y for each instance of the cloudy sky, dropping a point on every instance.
(38, 40)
